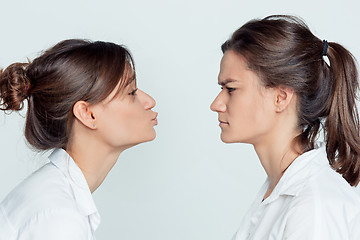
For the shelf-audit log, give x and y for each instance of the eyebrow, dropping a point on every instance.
(226, 82)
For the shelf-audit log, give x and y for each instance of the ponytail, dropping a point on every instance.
(14, 87)
(342, 123)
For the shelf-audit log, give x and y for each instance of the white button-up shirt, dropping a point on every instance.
(54, 203)
(311, 201)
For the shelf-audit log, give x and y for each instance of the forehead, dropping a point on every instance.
(232, 62)
(234, 66)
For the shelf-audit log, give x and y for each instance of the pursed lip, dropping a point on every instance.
(156, 114)
(154, 120)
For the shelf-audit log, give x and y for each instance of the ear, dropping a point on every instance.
(283, 98)
(83, 112)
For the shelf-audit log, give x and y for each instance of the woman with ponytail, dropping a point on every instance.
(293, 97)
(84, 106)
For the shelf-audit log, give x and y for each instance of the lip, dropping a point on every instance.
(222, 123)
(154, 120)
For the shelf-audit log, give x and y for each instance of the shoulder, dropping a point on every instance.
(323, 187)
(50, 224)
(329, 189)
(326, 207)
(47, 188)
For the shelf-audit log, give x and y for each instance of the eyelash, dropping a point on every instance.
(133, 92)
(229, 89)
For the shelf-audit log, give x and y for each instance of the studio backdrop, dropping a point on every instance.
(186, 184)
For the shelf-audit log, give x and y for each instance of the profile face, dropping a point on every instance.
(244, 105)
(126, 118)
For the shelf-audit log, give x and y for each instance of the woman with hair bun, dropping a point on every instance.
(281, 87)
(82, 103)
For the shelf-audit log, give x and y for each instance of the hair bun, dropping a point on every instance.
(14, 86)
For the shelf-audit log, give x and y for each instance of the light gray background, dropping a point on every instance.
(187, 184)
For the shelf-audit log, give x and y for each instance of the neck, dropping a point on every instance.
(277, 154)
(93, 157)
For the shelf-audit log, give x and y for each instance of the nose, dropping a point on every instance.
(218, 105)
(147, 101)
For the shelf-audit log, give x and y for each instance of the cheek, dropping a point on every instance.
(126, 124)
(128, 119)
(242, 109)
(114, 119)
(248, 115)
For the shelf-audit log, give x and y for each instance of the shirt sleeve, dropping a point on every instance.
(57, 224)
(309, 220)
(354, 227)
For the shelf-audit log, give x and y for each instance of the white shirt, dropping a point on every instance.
(311, 201)
(54, 203)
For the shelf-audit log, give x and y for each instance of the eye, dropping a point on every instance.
(230, 89)
(133, 92)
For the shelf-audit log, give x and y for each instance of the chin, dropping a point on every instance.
(136, 141)
(149, 137)
(226, 139)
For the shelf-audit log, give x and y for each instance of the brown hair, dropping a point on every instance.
(283, 51)
(71, 71)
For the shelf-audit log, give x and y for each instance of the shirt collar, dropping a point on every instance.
(298, 173)
(63, 161)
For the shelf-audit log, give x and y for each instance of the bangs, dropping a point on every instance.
(128, 76)
(114, 69)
